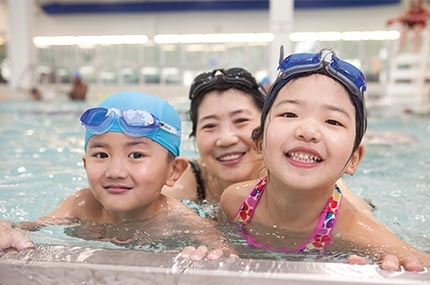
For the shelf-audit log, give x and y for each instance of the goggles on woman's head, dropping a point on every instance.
(132, 122)
(235, 76)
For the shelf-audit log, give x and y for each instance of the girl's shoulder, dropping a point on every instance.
(353, 224)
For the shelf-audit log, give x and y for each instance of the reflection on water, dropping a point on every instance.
(42, 148)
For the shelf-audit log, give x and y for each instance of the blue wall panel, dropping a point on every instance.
(71, 7)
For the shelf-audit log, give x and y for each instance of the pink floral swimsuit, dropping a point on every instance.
(319, 238)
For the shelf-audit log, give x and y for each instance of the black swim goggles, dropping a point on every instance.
(133, 122)
(235, 76)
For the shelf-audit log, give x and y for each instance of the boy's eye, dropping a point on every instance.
(101, 155)
(333, 122)
(135, 155)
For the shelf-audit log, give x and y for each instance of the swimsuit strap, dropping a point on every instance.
(201, 191)
(247, 209)
(317, 240)
(321, 237)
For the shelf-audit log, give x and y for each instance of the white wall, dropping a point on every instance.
(362, 19)
(3, 18)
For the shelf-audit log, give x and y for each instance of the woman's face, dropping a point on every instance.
(225, 122)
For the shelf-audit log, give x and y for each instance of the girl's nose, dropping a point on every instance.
(308, 131)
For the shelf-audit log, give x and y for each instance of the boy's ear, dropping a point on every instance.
(84, 160)
(355, 160)
(179, 165)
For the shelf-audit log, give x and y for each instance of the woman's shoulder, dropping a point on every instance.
(234, 195)
(185, 187)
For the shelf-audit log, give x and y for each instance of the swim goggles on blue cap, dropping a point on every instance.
(235, 75)
(133, 122)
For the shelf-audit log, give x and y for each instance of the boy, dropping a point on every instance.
(132, 143)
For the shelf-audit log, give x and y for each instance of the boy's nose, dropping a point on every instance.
(116, 169)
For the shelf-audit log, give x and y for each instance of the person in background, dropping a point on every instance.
(132, 143)
(79, 88)
(414, 19)
(310, 134)
(35, 94)
(225, 107)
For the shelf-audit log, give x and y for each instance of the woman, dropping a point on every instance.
(225, 108)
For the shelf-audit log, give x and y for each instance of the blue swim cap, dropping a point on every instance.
(155, 105)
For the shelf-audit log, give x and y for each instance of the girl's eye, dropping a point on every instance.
(289, 115)
(333, 122)
(101, 155)
(135, 155)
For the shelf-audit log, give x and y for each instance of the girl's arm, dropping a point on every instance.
(358, 232)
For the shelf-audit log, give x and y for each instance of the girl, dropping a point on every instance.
(312, 124)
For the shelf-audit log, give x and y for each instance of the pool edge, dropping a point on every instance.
(50, 264)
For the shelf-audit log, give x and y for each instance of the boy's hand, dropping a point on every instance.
(13, 238)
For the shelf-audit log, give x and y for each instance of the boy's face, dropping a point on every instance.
(310, 133)
(224, 125)
(125, 173)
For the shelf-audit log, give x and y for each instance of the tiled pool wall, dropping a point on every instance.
(49, 264)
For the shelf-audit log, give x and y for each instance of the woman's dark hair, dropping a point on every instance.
(221, 80)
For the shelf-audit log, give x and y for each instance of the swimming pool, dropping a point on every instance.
(41, 150)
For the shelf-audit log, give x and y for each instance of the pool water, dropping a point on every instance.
(42, 146)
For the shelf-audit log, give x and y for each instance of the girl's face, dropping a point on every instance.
(225, 122)
(126, 174)
(310, 132)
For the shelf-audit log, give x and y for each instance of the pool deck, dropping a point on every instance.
(49, 264)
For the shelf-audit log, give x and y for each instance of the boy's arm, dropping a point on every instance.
(11, 237)
(76, 206)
